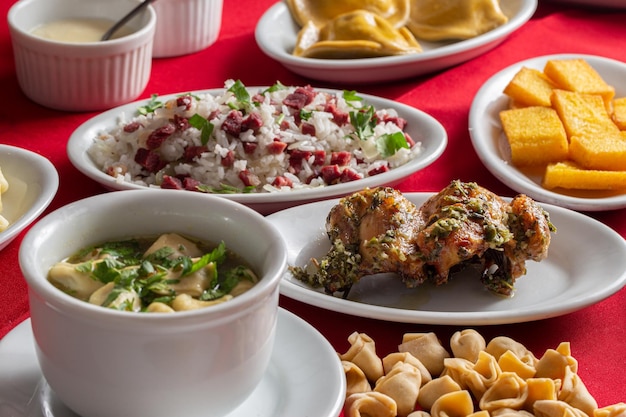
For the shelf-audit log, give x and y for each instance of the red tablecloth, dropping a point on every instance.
(597, 334)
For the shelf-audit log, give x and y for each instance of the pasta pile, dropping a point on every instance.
(4, 185)
(497, 379)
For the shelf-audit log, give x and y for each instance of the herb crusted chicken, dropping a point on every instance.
(380, 231)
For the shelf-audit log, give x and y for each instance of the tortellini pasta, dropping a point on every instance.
(162, 274)
(501, 378)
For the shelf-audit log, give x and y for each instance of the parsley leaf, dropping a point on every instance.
(363, 122)
(351, 96)
(277, 86)
(242, 96)
(389, 143)
(152, 105)
(203, 125)
(224, 189)
(305, 115)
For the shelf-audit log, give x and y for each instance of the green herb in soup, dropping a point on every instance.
(164, 274)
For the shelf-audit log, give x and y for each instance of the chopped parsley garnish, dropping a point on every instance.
(363, 121)
(137, 278)
(305, 114)
(242, 97)
(351, 96)
(203, 125)
(152, 105)
(224, 189)
(277, 86)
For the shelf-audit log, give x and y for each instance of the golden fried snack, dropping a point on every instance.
(436, 20)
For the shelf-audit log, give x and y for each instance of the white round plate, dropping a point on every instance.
(276, 34)
(576, 274)
(421, 127)
(491, 144)
(33, 183)
(304, 374)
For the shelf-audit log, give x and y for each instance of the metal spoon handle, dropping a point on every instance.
(107, 35)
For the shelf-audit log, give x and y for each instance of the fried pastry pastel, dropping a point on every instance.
(436, 20)
(356, 34)
(319, 12)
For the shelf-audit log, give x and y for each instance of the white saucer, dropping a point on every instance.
(304, 374)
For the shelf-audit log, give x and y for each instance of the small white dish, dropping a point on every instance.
(81, 76)
(491, 144)
(276, 34)
(574, 275)
(304, 374)
(421, 127)
(33, 183)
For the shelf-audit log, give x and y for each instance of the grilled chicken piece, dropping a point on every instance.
(371, 231)
(379, 230)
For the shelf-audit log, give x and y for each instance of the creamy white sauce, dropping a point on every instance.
(78, 30)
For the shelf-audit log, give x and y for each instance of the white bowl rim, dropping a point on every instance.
(62, 301)
(49, 187)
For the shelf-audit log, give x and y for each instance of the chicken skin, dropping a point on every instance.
(380, 231)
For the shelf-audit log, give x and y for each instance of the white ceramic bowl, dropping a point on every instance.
(33, 183)
(103, 362)
(186, 26)
(85, 76)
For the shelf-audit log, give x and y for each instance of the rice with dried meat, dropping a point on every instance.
(277, 139)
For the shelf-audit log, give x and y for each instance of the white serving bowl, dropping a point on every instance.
(186, 26)
(103, 362)
(85, 76)
(33, 183)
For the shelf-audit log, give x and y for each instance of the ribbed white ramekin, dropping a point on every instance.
(186, 26)
(81, 76)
